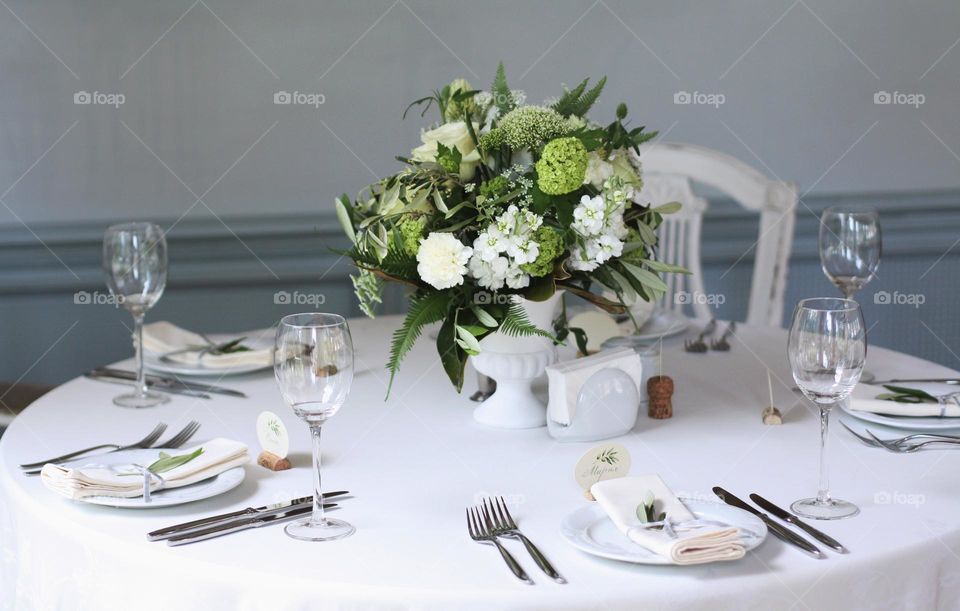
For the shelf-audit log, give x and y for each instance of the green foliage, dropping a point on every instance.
(578, 101)
(424, 309)
(516, 324)
(369, 291)
(502, 96)
(551, 247)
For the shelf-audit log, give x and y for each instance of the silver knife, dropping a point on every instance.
(232, 527)
(788, 517)
(173, 390)
(168, 382)
(249, 512)
(779, 531)
(951, 381)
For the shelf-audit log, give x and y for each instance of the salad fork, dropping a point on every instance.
(699, 345)
(902, 445)
(505, 526)
(146, 442)
(722, 345)
(182, 437)
(482, 532)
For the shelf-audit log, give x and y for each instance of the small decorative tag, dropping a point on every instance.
(605, 461)
(272, 434)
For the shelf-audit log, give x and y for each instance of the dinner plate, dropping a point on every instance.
(218, 484)
(257, 340)
(589, 529)
(910, 423)
(663, 323)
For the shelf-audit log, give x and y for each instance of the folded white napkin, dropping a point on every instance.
(163, 337)
(566, 378)
(864, 399)
(93, 479)
(695, 543)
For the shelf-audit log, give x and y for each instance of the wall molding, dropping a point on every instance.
(286, 249)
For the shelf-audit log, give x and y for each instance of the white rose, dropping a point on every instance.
(450, 135)
(442, 260)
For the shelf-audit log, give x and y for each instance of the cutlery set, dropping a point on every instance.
(700, 345)
(492, 520)
(167, 384)
(906, 444)
(778, 530)
(149, 441)
(237, 521)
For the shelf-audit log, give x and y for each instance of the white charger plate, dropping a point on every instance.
(589, 529)
(910, 423)
(218, 484)
(662, 323)
(261, 339)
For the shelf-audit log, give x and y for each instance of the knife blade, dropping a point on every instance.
(173, 390)
(780, 532)
(788, 517)
(249, 512)
(232, 527)
(951, 381)
(171, 382)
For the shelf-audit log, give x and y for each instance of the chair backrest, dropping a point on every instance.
(669, 170)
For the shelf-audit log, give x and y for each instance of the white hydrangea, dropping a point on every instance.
(442, 260)
(505, 245)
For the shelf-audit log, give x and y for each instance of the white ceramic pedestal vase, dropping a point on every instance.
(515, 362)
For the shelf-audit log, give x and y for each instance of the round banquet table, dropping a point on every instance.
(415, 462)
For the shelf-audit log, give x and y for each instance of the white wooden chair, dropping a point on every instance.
(669, 170)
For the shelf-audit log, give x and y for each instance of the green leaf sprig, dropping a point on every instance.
(901, 394)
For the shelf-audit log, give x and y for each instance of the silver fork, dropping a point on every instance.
(482, 532)
(505, 526)
(903, 446)
(721, 344)
(699, 345)
(182, 437)
(146, 442)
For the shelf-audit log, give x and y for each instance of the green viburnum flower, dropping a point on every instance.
(411, 230)
(495, 187)
(562, 166)
(528, 127)
(551, 247)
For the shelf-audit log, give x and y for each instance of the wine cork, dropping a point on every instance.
(273, 462)
(660, 393)
(771, 415)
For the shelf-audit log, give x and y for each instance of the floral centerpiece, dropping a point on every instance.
(504, 201)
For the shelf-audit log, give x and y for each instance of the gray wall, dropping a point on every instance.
(246, 185)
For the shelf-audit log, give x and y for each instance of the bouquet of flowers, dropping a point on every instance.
(505, 200)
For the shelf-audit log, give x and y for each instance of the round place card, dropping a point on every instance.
(272, 434)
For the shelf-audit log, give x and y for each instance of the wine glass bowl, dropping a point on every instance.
(135, 263)
(850, 246)
(313, 366)
(827, 348)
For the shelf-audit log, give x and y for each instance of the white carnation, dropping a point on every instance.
(442, 260)
(598, 170)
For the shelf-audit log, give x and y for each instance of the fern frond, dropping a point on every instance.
(501, 91)
(516, 324)
(578, 101)
(424, 310)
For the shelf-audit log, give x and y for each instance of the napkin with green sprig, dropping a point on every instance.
(632, 503)
(177, 469)
(251, 348)
(901, 401)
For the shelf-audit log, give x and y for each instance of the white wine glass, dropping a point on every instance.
(313, 365)
(135, 262)
(827, 348)
(850, 246)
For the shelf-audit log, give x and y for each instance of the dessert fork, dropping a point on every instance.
(482, 532)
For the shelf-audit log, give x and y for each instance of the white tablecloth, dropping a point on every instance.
(415, 462)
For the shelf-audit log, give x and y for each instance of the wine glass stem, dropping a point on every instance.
(141, 389)
(318, 515)
(823, 495)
